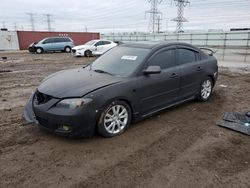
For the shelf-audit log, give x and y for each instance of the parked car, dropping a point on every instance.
(52, 44)
(93, 47)
(126, 84)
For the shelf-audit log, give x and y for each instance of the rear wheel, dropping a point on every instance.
(88, 53)
(115, 119)
(39, 50)
(67, 49)
(206, 89)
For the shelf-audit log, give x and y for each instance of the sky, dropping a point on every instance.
(106, 16)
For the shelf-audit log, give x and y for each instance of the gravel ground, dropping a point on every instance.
(178, 147)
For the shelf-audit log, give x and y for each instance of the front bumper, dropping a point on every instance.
(32, 49)
(78, 52)
(79, 122)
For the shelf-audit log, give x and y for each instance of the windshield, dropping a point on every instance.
(122, 61)
(90, 42)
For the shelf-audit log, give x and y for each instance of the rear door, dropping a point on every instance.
(191, 69)
(159, 90)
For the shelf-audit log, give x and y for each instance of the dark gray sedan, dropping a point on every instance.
(126, 84)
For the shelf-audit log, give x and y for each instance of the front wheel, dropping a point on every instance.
(39, 50)
(88, 53)
(115, 119)
(206, 89)
(67, 49)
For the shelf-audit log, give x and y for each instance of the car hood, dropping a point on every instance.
(82, 46)
(75, 83)
(33, 44)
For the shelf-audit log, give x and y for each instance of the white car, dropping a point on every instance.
(93, 47)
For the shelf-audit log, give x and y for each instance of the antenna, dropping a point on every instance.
(155, 15)
(180, 18)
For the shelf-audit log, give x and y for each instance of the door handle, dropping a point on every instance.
(199, 68)
(174, 75)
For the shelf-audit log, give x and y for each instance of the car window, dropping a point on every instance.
(56, 40)
(90, 42)
(65, 40)
(99, 43)
(164, 59)
(106, 42)
(121, 61)
(186, 56)
(49, 40)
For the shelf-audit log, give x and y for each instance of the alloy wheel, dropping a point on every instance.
(206, 89)
(115, 119)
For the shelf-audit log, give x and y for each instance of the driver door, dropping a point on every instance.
(99, 48)
(157, 91)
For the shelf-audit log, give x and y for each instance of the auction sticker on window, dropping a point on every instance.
(129, 57)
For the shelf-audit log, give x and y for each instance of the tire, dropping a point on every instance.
(67, 49)
(115, 119)
(87, 53)
(206, 89)
(39, 50)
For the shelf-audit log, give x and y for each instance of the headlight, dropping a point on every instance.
(73, 103)
(80, 49)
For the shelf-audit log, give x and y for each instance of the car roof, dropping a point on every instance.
(153, 45)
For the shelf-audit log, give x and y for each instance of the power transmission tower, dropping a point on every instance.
(32, 22)
(48, 20)
(154, 15)
(158, 23)
(180, 18)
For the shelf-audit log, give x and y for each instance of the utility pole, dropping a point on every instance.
(48, 20)
(32, 22)
(86, 28)
(15, 26)
(180, 15)
(154, 15)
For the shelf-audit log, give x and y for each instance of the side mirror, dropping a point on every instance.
(152, 70)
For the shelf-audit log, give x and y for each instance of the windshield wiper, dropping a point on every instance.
(101, 71)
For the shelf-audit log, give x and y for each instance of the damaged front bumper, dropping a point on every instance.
(73, 123)
(28, 113)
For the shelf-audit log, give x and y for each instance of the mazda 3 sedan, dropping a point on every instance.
(126, 84)
(93, 47)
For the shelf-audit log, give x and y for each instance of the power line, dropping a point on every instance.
(154, 15)
(180, 18)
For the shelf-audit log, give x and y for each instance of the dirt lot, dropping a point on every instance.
(179, 147)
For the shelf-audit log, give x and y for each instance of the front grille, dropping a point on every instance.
(74, 51)
(41, 98)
